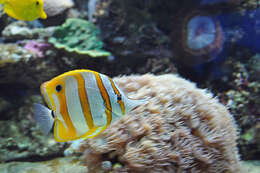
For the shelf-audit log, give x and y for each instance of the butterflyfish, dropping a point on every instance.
(82, 103)
(27, 10)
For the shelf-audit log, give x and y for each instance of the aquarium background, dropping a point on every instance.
(213, 43)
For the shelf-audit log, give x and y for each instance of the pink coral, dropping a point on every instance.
(180, 129)
(36, 47)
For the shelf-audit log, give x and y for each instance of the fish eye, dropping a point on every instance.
(58, 88)
(119, 98)
(37, 3)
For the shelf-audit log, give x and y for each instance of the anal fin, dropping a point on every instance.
(94, 132)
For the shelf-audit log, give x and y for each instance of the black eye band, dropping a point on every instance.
(58, 88)
(37, 2)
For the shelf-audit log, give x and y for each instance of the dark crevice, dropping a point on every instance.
(36, 158)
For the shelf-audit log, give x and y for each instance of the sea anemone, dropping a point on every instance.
(180, 129)
(198, 38)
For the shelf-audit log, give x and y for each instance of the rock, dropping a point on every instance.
(20, 138)
(3, 18)
(251, 166)
(32, 70)
(57, 11)
(20, 30)
(12, 53)
(4, 105)
(130, 32)
(59, 165)
(239, 90)
(53, 8)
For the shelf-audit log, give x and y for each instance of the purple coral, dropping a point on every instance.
(197, 39)
(36, 47)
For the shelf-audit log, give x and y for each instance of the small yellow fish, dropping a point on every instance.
(82, 104)
(27, 10)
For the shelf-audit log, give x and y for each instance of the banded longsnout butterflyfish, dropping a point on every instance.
(82, 103)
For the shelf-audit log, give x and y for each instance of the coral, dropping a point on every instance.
(17, 29)
(79, 36)
(20, 140)
(20, 30)
(3, 19)
(197, 39)
(4, 105)
(248, 5)
(59, 165)
(53, 8)
(251, 166)
(12, 53)
(180, 129)
(36, 47)
(254, 68)
(130, 32)
(239, 91)
(158, 66)
(24, 67)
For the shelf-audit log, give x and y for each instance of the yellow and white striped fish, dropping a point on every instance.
(82, 104)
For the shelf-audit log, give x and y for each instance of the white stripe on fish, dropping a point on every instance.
(74, 106)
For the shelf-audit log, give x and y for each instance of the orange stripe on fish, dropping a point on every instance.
(105, 97)
(84, 100)
(64, 111)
